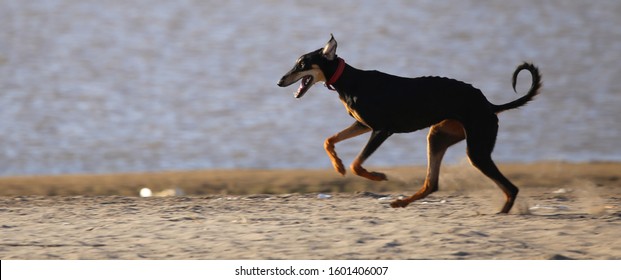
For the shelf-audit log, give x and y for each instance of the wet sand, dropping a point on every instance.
(564, 211)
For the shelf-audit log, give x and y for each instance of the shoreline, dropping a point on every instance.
(282, 181)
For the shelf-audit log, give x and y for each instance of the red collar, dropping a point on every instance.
(335, 77)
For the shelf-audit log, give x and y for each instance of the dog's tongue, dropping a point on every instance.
(300, 91)
(302, 88)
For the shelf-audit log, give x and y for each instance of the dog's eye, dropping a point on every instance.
(302, 65)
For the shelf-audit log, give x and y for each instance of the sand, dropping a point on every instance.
(564, 211)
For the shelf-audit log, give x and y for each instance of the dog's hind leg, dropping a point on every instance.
(480, 142)
(441, 136)
(354, 130)
(377, 138)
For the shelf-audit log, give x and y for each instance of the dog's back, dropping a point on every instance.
(401, 104)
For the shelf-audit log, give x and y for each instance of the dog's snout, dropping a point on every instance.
(283, 82)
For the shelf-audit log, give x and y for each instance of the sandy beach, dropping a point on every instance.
(564, 211)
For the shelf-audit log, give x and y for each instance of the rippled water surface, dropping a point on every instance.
(119, 86)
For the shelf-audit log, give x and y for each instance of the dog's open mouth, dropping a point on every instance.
(307, 82)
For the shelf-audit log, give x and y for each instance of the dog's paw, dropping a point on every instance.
(377, 176)
(399, 203)
(374, 176)
(339, 167)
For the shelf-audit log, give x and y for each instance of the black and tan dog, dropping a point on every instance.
(385, 104)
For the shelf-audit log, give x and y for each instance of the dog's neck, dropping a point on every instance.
(337, 74)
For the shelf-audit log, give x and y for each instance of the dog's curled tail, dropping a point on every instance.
(532, 92)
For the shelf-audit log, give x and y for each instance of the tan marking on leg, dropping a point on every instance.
(352, 131)
(357, 168)
(440, 137)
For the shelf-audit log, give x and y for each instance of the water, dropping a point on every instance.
(121, 86)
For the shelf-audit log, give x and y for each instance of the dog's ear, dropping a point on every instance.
(329, 51)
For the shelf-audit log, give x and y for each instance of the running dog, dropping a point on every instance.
(384, 104)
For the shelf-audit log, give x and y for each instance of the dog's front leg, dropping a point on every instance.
(377, 138)
(354, 130)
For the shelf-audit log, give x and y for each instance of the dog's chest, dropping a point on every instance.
(352, 112)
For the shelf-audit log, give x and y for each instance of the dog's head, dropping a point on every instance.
(311, 68)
